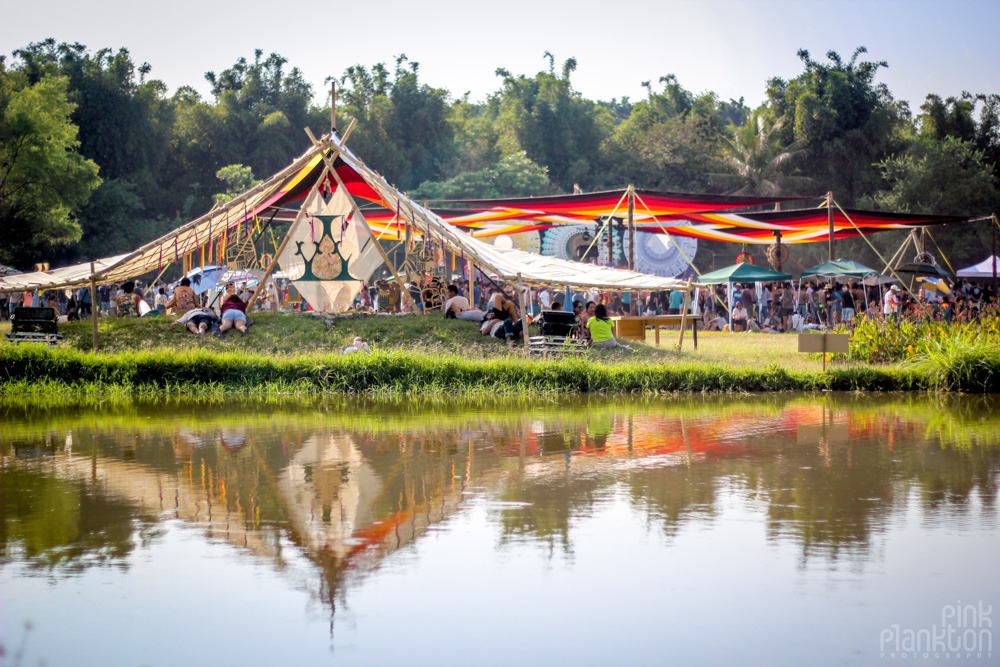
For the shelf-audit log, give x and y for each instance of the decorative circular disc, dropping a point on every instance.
(569, 241)
(526, 241)
(663, 255)
(777, 254)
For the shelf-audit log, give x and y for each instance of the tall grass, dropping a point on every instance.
(966, 360)
(36, 369)
(875, 341)
(947, 357)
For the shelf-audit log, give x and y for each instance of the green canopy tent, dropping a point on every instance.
(839, 268)
(741, 273)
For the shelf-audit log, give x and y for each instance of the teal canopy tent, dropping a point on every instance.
(742, 273)
(839, 268)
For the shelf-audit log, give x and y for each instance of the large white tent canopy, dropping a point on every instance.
(510, 265)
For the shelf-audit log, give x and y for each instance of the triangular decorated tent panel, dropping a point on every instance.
(329, 253)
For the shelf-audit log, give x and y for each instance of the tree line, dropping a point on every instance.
(97, 157)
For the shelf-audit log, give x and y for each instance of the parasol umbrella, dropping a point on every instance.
(932, 284)
(924, 269)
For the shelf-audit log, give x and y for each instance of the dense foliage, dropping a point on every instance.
(116, 159)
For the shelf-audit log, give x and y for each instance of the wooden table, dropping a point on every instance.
(633, 327)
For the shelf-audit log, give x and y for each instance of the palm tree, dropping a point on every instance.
(757, 162)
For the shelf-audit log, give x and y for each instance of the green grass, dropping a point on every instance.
(292, 355)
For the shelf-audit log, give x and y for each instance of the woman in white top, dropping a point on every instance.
(739, 317)
(161, 300)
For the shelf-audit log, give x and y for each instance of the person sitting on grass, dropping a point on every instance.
(581, 330)
(233, 312)
(357, 346)
(502, 307)
(601, 331)
(197, 320)
(161, 300)
(184, 298)
(739, 316)
(128, 302)
(457, 306)
(754, 327)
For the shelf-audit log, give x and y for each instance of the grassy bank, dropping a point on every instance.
(294, 355)
(33, 369)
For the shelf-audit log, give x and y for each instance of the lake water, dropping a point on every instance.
(778, 529)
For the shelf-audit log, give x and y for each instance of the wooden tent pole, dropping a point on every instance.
(94, 305)
(829, 216)
(270, 270)
(472, 285)
(281, 248)
(333, 106)
(684, 314)
(995, 223)
(524, 314)
(328, 160)
(634, 298)
(899, 251)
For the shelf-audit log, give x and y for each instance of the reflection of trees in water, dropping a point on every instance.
(828, 474)
(52, 523)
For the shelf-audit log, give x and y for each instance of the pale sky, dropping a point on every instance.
(727, 46)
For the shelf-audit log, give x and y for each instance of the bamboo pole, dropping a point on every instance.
(224, 209)
(94, 305)
(281, 248)
(899, 251)
(524, 314)
(472, 285)
(995, 223)
(829, 215)
(611, 242)
(328, 160)
(634, 299)
(270, 270)
(684, 314)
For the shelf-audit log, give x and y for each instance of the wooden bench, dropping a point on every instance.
(633, 327)
(38, 325)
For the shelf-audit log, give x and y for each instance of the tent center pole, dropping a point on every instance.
(524, 315)
(995, 223)
(95, 306)
(829, 216)
(634, 299)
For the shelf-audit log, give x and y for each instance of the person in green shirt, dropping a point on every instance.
(676, 302)
(601, 331)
